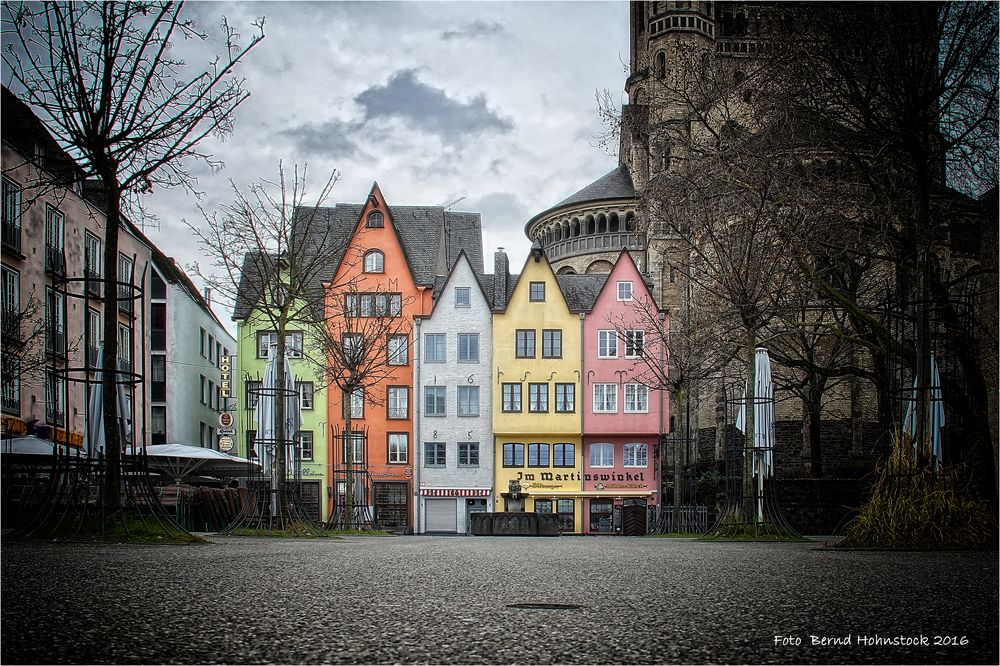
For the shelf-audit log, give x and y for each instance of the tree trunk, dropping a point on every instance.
(109, 368)
(680, 457)
(815, 407)
(279, 419)
(349, 459)
(749, 485)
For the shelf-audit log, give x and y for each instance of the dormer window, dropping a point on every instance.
(375, 219)
(374, 262)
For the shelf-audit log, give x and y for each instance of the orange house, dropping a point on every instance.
(386, 277)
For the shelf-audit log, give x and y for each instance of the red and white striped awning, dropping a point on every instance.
(455, 492)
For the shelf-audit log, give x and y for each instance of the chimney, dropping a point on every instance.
(208, 296)
(501, 278)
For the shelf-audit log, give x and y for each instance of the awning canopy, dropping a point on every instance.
(455, 492)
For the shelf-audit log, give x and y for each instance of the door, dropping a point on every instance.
(311, 503)
(634, 519)
(473, 506)
(442, 515)
(391, 504)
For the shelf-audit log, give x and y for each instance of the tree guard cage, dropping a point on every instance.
(678, 509)
(67, 494)
(750, 510)
(261, 509)
(351, 505)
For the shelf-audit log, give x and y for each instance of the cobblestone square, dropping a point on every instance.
(449, 600)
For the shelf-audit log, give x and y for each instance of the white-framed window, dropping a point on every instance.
(398, 402)
(398, 353)
(434, 454)
(204, 339)
(375, 219)
(435, 398)
(11, 293)
(607, 344)
(468, 401)
(211, 348)
(635, 341)
(125, 282)
(91, 254)
(605, 398)
(434, 348)
(636, 398)
(55, 321)
(602, 455)
(356, 404)
(375, 262)
(358, 450)
(252, 392)
(55, 398)
(11, 203)
(625, 291)
(306, 444)
(305, 394)
(293, 344)
(399, 445)
(468, 347)
(463, 297)
(125, 347)
(55, 224)
(94, 336)
(353, 347)
(468, 454)
(635, 455)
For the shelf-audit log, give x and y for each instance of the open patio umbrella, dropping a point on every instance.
(181, 461)
(763, 423)
(31, 445)
(935, 412)
(95, 410)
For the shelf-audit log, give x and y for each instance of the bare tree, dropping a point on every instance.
(106, 82)
(270, 253)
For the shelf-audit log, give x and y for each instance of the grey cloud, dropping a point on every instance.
(327, 139)
(500, 210)
(428, 108)
(475, 29)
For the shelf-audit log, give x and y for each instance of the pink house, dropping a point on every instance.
(623, 411)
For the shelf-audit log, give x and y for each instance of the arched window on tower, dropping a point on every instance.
(661, 65)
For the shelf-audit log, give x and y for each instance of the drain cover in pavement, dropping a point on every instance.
(542, 605)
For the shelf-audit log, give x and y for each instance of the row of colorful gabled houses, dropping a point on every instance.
(534, 381)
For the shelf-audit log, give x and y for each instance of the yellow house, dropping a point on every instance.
(536, 405)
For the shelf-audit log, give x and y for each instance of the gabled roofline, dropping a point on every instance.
(461, 256)
(626, 253)
(517, 280)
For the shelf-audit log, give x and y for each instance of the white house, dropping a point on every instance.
(453, 465)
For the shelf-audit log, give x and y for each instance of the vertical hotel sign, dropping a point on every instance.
(225, 379)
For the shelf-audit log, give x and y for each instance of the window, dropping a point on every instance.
(212, 399)
(353, 347)
(566, 509)
(468, 401)
(551, 343)
(91, 258)
(306, 444)
(264, 342)
(564, 455)
(55, 398)
(434, 454)
(305, 394)
(158, 376)
(525, 343)
(636, 398)
(125, 284)
(543, 506)
(201, 391)
(468, 347)
(11, 204)
(538, 397)
(536, 291)
(399, 353)
(605, 397)
(565, 397)
(468, 454)
(374, 262)
(434, 400)
(511, 397)
(260, 336)
(624, 291)
(252, 393)
(513, 455)
(434, 348)
(218, 353)
(607, 344)
(158, 326)
(375, 219)
(398, 402)
(538, 455)
(125, 347)
(357, 451)
(601, 516)
(158, 424)
(158, 288)
(54, 232)
(634, 343)
(11, 295)
(602, 455)
(463, 297)
(399, 445)
(211, 349)
(635, 455)
(55, 321)
(293, 344)
(356, 403)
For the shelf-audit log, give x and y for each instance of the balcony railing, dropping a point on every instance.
(12, 236)
(587, 244)
(92, 356)
(93, 282)
(11, 403)
(11, 325)
(55, 342)
(55, 260)
(125, 300)
(55, 416)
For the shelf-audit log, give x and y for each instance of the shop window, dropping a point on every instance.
(601, 516)
(566, 508)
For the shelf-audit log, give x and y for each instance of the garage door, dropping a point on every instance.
(442, 515)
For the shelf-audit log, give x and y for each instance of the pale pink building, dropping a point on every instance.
(623, 411)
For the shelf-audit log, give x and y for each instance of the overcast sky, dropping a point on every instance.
(489, 101)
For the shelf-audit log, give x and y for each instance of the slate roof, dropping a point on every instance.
(616, 184)
(581, 290)
(432, 239)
